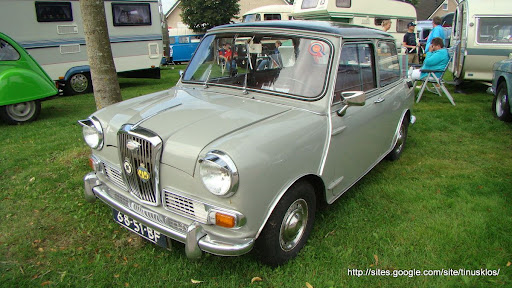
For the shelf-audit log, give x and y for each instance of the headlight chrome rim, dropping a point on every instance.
(93, 125)
(219, 160)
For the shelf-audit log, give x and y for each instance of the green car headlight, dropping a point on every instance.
(93, 132)
(219, 173)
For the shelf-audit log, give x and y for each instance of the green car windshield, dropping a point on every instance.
(287, 65)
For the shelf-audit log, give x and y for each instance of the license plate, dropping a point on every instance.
(140, 229)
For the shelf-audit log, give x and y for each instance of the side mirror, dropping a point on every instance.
(351, 98)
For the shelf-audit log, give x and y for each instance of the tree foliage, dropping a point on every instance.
(201, 15)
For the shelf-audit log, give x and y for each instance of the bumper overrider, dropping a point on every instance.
(195, 238)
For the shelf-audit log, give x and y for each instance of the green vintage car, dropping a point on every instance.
(23, 83)
(242, 151)
(502, 89)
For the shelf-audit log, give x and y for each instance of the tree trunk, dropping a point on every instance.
(99, 52)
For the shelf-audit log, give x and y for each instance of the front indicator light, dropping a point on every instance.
(224, 220)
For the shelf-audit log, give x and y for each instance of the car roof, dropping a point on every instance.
(335, 28)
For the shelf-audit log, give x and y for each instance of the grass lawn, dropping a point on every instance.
(446, 204)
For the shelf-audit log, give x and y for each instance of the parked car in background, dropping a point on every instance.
(23, 83)
(502, 89)
(236, 157)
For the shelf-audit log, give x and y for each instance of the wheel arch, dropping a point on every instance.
(75, 70)
(318, 185)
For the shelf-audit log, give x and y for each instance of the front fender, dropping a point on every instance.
(270, 157)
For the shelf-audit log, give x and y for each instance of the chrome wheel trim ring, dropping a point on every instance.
(79, 83)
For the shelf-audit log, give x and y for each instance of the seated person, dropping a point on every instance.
(274, 60)
(226, 56)
(437, 58)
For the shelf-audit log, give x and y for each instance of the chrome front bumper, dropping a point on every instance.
(194, 237)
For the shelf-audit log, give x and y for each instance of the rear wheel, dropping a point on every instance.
(79, 83)
(289, 226)
(501, 104)
(20, 112)
(400, 141)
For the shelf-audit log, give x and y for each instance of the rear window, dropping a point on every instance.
(53, 11)
(272, 17)
(7, 52)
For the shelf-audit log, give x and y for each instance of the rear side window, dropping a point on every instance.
(7, 52)
(53, 11)
(387, 63)
(136, 14)
(401, 25)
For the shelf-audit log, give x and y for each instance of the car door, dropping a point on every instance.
(363, 135)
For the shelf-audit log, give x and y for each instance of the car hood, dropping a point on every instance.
(186, 120)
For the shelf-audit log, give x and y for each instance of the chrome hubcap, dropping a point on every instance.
(79, 82)
(21, 111)
(294, 225)
(400, 140)
(500, 103)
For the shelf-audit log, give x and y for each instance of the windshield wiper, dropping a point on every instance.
(209, 71)
(247, 65)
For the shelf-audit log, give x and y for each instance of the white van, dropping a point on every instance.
(52, 32)
(369, 13)
(270, 12)
(481, 36)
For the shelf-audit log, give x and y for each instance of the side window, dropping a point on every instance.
(388, 66)
(272, 17)
(356, 70)
(184, 39)
(401, 25)
(343, 3)
(53, 11)
(172, 40)
(7, 52)
(136, 14)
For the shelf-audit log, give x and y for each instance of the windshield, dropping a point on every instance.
(294, 66)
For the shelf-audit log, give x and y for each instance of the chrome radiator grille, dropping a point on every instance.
(140, 152)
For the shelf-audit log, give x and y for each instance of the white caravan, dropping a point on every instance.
(52, 32)
(369, 13)
(270, 12)
(481, 36)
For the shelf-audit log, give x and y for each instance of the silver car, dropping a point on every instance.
(269, 120)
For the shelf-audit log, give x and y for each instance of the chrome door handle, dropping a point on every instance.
(379, 100)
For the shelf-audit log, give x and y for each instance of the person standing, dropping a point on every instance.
(410, 44)
(437, 31)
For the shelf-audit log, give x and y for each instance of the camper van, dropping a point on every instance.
(270, 12)
(369, 13)
(52, 32)
(481, 36)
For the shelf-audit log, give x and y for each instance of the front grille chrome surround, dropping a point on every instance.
(139, 153)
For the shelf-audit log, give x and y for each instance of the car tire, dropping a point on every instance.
(500, 103)
(20, 112)
(400, 142)
(289, 225)
(78, 83)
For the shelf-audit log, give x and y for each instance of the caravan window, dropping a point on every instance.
(343, 3)
(495, 30)
(306, 4)
(53, 11)
(401, 25)
(272, 17)
(136, 14)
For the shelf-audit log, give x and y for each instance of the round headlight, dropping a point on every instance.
(219, 174)
(93, 133)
